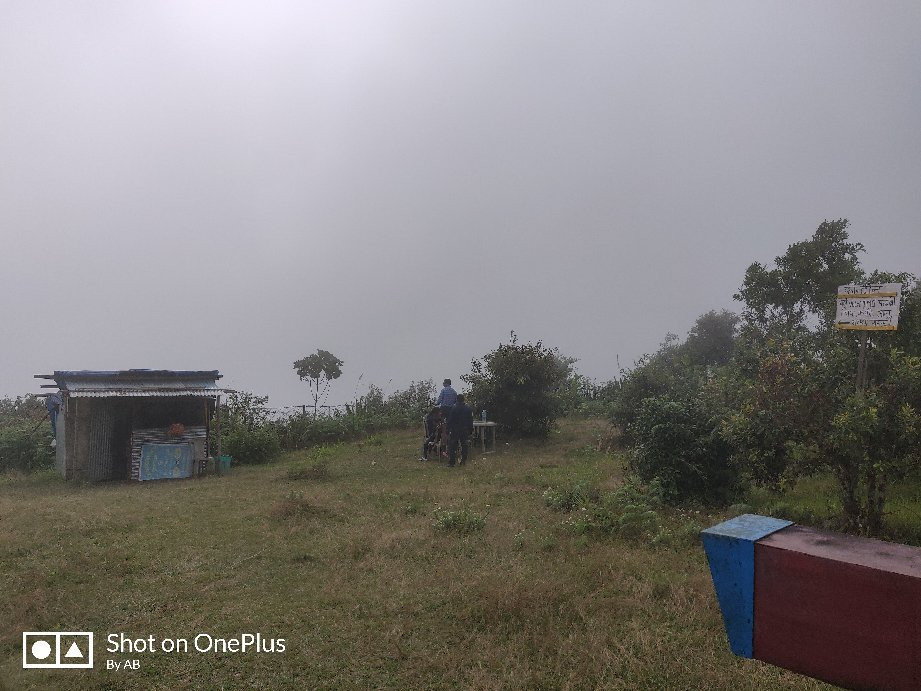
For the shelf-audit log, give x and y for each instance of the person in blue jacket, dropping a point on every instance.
(447, 398)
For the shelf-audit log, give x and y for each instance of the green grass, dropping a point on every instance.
(378, 570)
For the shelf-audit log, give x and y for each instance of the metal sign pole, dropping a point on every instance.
(862, 362)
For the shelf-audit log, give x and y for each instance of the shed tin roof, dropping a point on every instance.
(138, 382)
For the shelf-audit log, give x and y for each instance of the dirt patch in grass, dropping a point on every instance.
(297, 506)
(315, 472)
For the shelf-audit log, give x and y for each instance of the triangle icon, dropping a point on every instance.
(73, 651)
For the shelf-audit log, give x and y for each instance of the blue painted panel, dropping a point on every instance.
(160, 461)
(730, 548)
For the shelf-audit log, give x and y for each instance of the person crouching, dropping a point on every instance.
(433, 429)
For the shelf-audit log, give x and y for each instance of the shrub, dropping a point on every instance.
(523, 386)
(24, 448)
(259, 445)
(25, 434)
(410, 404)
(566, 499)
(302, 431)
(680, 446)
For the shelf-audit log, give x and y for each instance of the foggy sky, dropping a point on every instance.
(232, 185)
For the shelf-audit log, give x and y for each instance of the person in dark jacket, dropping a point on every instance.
(460, 426)
(433, 430)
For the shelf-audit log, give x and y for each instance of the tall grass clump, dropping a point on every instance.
(631, 511)
(462, 521)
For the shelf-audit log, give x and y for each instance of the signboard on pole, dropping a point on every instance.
(873, 307)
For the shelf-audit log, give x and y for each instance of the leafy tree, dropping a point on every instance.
(801, 284)
(523, 386)
(711, 340)
(319, 370)
(771, 413)
(800, 409)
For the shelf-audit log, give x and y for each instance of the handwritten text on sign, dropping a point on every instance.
(873, 307)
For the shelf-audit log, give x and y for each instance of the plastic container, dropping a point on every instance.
(223, 465)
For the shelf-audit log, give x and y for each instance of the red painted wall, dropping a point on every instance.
(838, 608)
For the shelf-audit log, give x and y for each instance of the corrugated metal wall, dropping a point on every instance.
(60, 450)
(95, 434)
(100, 464)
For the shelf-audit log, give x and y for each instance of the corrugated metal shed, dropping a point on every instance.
(101, 414)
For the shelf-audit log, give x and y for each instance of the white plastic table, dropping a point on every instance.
(482, 426)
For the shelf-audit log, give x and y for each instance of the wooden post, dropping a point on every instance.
(862, 362)
(217, 431)
(198, 469)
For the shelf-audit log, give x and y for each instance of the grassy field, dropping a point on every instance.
(349, 555)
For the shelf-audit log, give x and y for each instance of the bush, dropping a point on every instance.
(523, 386)
(679, 445)
(259, 445)
(25, 435)
(24, 448)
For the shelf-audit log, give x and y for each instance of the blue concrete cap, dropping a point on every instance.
(748, 526)
(730, 548)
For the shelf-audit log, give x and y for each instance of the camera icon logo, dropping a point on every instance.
(57, 649)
